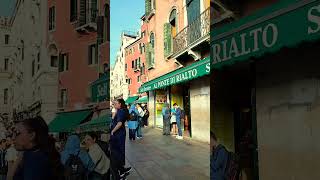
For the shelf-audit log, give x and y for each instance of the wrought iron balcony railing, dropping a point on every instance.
(193, 33)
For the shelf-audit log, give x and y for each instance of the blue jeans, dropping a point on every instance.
(179, 126)
(139, 132)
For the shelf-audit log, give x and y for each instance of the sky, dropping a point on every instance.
(6, 7)
(125, 16)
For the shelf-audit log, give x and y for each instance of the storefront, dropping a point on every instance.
(189, 87)
(264, 89)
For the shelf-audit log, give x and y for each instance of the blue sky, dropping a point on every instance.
(125, 15)
(6, 7)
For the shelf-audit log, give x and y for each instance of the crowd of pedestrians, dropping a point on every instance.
(29, 152)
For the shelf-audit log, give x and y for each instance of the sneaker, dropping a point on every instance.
(179, 137)
(125, 172)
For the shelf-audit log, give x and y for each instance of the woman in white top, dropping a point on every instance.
(101, 161)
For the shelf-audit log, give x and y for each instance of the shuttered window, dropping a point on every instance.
(167, 39)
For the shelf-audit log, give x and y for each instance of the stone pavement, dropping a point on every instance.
(158, 157)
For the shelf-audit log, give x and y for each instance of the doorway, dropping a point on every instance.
(186, 109)
(234, 115)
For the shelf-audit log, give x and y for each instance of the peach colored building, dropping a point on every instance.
(177, 59)
(78, 43)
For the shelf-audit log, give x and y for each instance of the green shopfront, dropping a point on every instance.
(265, 90)
(189, 87)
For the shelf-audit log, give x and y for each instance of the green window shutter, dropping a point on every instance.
(147, 55)
(167, 39)
(60, 63)
(147, 6)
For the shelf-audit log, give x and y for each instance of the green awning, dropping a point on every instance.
(284, 24)
(131, 99)
(99, 89)
(68, 121)
(193, 71)
(143, 99)
(101, 122)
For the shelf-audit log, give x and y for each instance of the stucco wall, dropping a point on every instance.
(288, 108)
(151, 108)
(200, 108)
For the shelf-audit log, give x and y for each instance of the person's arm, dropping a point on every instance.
(118, 126)
(91, 159)
(11, 159)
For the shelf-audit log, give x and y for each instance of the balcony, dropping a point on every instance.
(87, 22)
(196, 33)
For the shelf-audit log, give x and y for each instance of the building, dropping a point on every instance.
(34, 77)
(135, 61)
(78, 45)
(6, 69)
(178, 62)
(119, 82)
(265, 86)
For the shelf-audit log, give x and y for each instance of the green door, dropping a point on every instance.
(194, 22)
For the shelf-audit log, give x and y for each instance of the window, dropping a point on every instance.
(132, 64)
(139, 61)
(139, 79)
(6, 61)
(92, 59)
(54, 61)
(52, 18)
(63, 62)
(38, 57)
(73, 10)
(135, 63)
(6, 39)
(63, 97)
(32, 68)
(126, 67)
(5, 96)
(152, 39)
(142, 69)
(143, 48)
(140, 48)
(107, 22)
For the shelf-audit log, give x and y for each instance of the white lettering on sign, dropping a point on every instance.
(314, 19)
(245, 43)
(208, 68)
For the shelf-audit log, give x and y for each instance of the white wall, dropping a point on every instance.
(200, 109)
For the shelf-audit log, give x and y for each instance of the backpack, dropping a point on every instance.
(74, 168)
(105, 147)
(3, 163)
(232, 168)
(146, 114)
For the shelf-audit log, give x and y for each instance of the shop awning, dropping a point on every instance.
(284, 24)
(99, 89)
(193, 71)
(102, 121)
(143, 99)
(131, 99)
(68, 121)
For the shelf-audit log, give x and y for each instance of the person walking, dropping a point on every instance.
(146, 114)
(166, 119)
(39, 159)
(100, 159)
(178, 119)
(73, 155)
(140, 122)
(3, 161)
(218, 159)
(117, 141)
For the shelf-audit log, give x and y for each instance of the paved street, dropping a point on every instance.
(157, 157)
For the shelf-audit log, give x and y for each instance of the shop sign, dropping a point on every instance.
(99, 90)
(196, 70)
(283, 28)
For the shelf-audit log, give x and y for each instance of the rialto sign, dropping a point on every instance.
(285, 27)
(193, 71)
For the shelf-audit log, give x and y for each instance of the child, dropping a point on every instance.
(132, 125)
